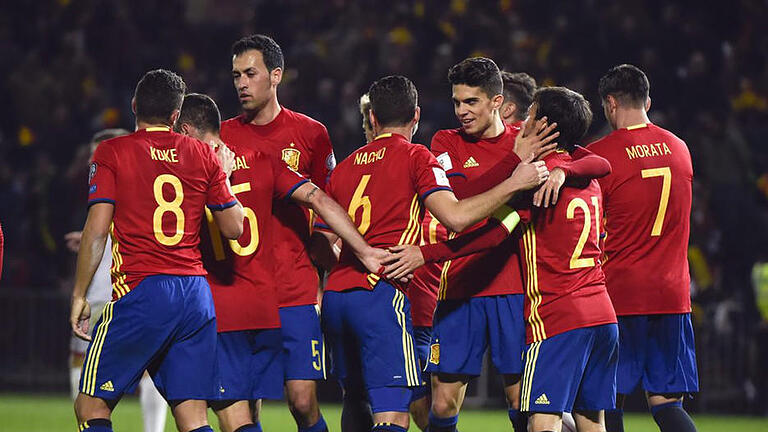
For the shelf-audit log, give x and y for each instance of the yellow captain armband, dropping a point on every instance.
(507, 216)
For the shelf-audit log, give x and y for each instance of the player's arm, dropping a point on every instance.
(458, 215)
(407, 258)
(338, 220)
(536, 138)
(92, 245)
(229, 218)
(583, 167)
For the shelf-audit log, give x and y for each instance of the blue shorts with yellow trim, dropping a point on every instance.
(574, 370)
(370, 334)
(250, 364)
(463, 329)
(165, 325)
(303, 344)
(657, 350)
(422, 336)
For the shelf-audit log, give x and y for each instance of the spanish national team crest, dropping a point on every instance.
(434, 353)
(291, 157)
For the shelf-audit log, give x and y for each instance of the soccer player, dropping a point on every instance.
(303, 144)
(153, 407)
(240, 272)
(571, 327)
(384, 184)
(148, 191)
(647, 221)
(485, 288)
(518, 95)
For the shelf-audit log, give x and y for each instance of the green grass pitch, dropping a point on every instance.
(53, 413)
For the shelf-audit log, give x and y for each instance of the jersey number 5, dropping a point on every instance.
(577, 203)
(253, 224)
(666, 183)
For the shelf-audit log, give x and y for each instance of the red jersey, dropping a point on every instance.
(422, 290)
(495, 271)
(241, 272)
(159, 182)
(647, 220)
(564, 283)
(383, 185)
(304, 145)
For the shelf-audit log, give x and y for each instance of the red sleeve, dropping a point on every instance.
(427, 174)
(218, 197)
(487, 236)
(323, 159)
(2, 241)
(286, 180)
(495, 175)
(585, 165)
(102, 176)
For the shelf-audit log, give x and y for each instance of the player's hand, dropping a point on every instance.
(529, 174)
(373, 259)
(226, 157)
(536, 138)
(80, 317)
(73, 240)
(403, 261)
(550, 190)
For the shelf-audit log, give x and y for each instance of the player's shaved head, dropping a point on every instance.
(269, 49)
(477, 72)
(566, 107)
(200, 111)
(518, 89)
(393, 100)
(627, 84)
(158, 95)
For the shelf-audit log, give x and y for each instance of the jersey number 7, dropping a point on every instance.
(666, 174)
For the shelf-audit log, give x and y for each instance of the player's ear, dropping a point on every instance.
(175, 116)
(648, 104)
(374, 123)
(497, 101)
(276, 76)
(133, 104)
(417, 114)
(508, 110)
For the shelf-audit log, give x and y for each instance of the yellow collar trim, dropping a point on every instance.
(637, 126)
(384, 135)
(158, 129)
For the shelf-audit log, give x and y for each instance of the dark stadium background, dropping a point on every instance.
(68, 69)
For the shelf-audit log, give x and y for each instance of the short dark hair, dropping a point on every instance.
(518, 89)
(627, 83)
(158, 95)
(568, 109)
(200, 111)
(393, 100)
(477, 72)
(269, 49)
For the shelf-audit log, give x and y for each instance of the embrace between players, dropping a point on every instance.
(508, 255)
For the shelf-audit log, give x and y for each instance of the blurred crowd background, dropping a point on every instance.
(69, 69)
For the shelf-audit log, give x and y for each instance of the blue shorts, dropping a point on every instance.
(303, 344)
(574, 370)
(250, 365)
(463, 329)
(422, 336)
(165, 325)
(659, 351)
(371, 341)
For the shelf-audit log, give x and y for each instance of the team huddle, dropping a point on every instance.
(568, 263)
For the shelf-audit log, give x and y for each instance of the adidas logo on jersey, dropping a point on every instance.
(542, 400)
(107, 386)
(471, 163)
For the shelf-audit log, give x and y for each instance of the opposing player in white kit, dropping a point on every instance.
(153, 406)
